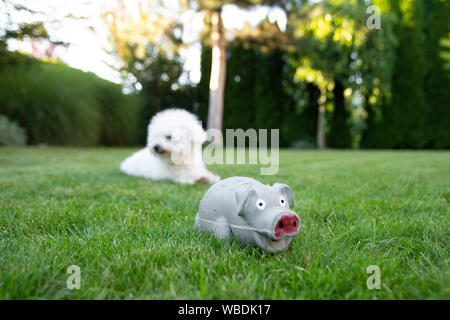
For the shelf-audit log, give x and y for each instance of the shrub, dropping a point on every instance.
(60, 105)
(11, 134)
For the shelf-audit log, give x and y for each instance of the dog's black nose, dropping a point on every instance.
(157, 148)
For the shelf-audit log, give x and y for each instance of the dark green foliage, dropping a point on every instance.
(417, 116)
(327, 59)
(409, 110)
(64, 106)
(241, 109)
(403, 80)
(339, 133)
(375, 134)
(254, 93)
(272, 105)
(437, 85)
(119, 113)
(308, 121)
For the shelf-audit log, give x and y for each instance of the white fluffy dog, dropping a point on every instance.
(174, 150)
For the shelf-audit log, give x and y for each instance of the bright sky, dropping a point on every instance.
(87, 48)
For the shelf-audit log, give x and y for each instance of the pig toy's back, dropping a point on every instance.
(256, 213)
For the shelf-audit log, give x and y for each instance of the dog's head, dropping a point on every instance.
(173, 135)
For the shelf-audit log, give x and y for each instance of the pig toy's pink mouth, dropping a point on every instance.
(288, 224)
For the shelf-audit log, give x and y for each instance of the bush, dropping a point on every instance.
(60, 105)
(11, 134)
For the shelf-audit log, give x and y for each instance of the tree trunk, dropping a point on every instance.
(218, 73)
(320, 139)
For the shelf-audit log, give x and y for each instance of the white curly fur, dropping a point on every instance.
(177, 136)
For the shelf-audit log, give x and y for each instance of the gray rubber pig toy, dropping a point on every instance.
(256, 213)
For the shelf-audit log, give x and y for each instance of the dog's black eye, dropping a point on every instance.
(168, 137)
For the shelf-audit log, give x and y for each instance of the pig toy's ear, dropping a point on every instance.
(243, 194)
(286, 191)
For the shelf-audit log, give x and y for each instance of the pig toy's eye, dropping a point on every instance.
(260, 204)
(283, 201)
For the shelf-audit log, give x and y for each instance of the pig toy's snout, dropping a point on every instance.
(288, 224)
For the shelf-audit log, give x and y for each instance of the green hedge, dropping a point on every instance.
(254, 94)
(418, 116)
(60, 105)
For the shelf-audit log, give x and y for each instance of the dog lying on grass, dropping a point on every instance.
(173, 151)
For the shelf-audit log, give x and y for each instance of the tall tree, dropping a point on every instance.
(34, 30)
(255, 83)
(437, 87)
(147, 45)
(333, 55)
(140, 39)
(218, 72)
(416, 115)
(409, 112)
(213, 9)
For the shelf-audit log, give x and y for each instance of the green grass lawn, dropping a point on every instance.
(135, 239)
